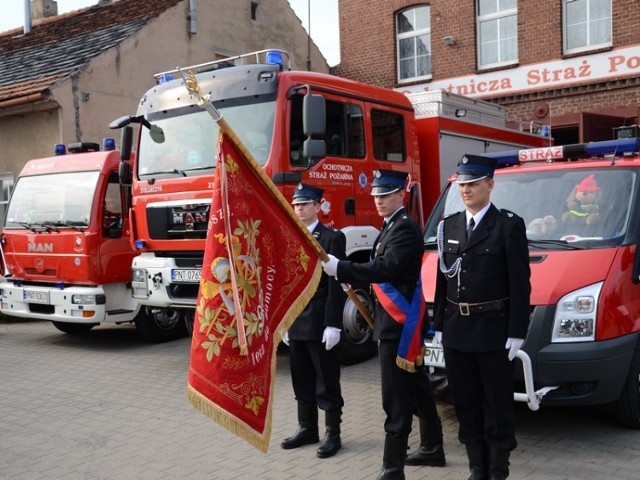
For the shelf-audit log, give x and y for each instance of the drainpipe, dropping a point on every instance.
(193, 27)
(27, 16)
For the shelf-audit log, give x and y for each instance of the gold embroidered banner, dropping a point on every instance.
(259, 272)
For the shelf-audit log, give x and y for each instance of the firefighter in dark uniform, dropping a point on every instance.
(315, 368)
(396, 261)
(481, 316)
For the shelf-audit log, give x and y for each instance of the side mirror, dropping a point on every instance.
(314, 118)
(124, 174)
(126, 141)
(314, 150)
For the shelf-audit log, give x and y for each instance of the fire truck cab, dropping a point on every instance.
(65, 243)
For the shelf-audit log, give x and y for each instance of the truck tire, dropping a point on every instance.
(356, 342)
(73, 328)
(628, 405)
(160, 325)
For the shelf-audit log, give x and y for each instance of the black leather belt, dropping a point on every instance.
(467, 309)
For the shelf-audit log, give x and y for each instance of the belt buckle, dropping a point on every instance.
(464, 309)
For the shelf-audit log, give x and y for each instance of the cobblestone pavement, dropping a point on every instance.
(106, 405)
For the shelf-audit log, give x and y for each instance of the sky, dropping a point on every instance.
(324, 20)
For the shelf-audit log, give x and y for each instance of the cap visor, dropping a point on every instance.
(469, 178)
(380, 191)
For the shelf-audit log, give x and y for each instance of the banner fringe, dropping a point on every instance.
(230, 422)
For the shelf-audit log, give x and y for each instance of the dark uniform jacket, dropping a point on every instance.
(495, 265)
(326, 306)
(397, 259)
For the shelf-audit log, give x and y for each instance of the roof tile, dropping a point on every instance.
(58, 46)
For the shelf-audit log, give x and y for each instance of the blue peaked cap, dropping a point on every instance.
(475, 167)
(387, 181)
(306, 193)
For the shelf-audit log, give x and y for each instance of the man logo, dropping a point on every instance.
(40, 247)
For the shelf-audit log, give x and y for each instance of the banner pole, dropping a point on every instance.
(191, 83)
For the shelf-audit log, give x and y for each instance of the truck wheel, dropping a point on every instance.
(160, 325)
(189, 321)
(73, 328)
(356, 342)
(628, 405)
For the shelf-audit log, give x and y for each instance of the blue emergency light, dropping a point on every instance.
(618, 148)
(59, 149)
(108, 144)
(139, 244)
(275, 58)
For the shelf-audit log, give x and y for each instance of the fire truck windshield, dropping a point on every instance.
(53, 200)
(581, 208)
(190, 136)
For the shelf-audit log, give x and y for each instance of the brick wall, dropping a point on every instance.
(368, 50)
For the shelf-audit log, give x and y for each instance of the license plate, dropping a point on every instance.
(434, 356)
(183, 275)
(36, 296)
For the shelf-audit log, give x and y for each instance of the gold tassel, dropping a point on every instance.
(405, 364)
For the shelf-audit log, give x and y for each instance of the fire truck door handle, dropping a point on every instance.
(350, 206)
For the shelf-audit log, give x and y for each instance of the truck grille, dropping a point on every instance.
(178, 222)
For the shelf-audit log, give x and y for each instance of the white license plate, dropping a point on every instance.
(434, 356)
(183, 275)
(36, 296)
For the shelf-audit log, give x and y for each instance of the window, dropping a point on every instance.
(497, 33)
(388, 136)
(413, 27)
(112, 214)
(6, 185)
(254, 11)
(586, 24)
(344, 132)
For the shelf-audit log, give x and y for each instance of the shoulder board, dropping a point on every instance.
(449, 215)
(507, 213)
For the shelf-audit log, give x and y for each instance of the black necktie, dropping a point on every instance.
(470, 226)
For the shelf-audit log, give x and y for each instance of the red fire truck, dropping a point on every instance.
(582, 347)
(66, 245)
(366, 128)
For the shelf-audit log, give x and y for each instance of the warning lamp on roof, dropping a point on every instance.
(108, 144)
(275, 58)
(59, 149)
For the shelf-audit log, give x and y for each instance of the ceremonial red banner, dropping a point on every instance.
(276, 272)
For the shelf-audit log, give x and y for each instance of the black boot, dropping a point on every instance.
(498, 464)
(307, 427)
(395, 451)
(431, 451)
(478, 461)
(331, 443)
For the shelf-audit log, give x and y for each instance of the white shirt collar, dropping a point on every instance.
(478, 216)
(312, 227)
(386, 219)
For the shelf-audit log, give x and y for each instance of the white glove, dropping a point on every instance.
(330, 267)
(285, 338)
(513, 345)
(330, 337)
(437, 339)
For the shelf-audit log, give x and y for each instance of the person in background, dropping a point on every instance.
(394, 271)
(315, 368)
(481, 316)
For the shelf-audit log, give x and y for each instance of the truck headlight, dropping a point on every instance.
(88, 299)
(139, 283)
(575, 318)
(139, 275)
